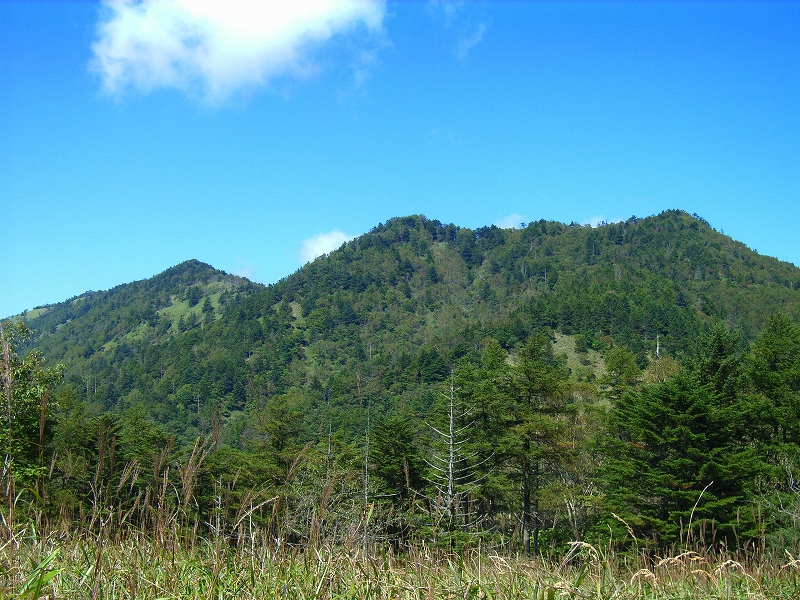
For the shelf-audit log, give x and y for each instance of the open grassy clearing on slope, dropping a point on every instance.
(587, 365)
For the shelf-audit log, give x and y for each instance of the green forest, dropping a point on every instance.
(634, 385)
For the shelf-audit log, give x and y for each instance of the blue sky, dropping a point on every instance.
(134, 137)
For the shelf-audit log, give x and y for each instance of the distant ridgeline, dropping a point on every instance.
(389, 313)
(531, 386)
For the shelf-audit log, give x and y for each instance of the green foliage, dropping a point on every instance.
(676, 460)
(147, 567)
(396, 458)
(26, 386)
(274, 379)
(622, 372)
(719, 360)
(537, 389)
(275, 430)
(774, 368)
(375, 301)
(193, 295)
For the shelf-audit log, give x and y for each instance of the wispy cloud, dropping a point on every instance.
(446, 8)
(598, 220)
(362, 65)
(512, 221)
(445, 133)
(460, 19)
(595, 220)
(468, 42)
(322, 243)
(243, 269)
(211, 49)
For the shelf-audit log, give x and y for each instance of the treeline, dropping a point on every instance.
(504, 446)
(197, 349)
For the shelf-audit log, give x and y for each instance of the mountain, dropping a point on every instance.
(386, 316)
(149, 311)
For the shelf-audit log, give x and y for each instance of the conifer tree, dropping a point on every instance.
(774, 368)
(395, 457)
(621, 373)
(676, 460)
(276, 429)
(537, 387)
(484, 389)
(719, 360)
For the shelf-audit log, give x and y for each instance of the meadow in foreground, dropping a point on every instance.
(71, 566)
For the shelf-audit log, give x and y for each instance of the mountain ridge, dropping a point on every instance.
(161, 294)
(399, 306)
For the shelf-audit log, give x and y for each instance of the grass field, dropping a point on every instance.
(68, 566)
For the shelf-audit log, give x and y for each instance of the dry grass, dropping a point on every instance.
(70, 566)
(156, 546)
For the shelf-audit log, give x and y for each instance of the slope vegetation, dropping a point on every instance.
(385, 317)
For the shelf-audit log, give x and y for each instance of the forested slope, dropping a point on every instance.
(397, 307)
(584, 374)
(152, 310)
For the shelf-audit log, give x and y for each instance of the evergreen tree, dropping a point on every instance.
(676, 459)
(621, 374)
(395, 457)
(719, 360)
(774, 368)
(484, 388)
(208, 311)
(773, 420)
(275, 431)
(537, 388)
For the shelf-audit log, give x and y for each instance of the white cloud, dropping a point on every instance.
(465, 44)
(512, 221)
(598, 220)
(243, 269)
(212, 49)
(322, 243)
(444, 133)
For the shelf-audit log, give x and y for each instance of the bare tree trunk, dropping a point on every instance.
(526, 503)
(451, 442)
(9, 459)
(536, 508)
(366, 460)
(42, 423)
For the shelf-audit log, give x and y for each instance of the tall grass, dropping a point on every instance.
(154, 544)
(65, 565)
